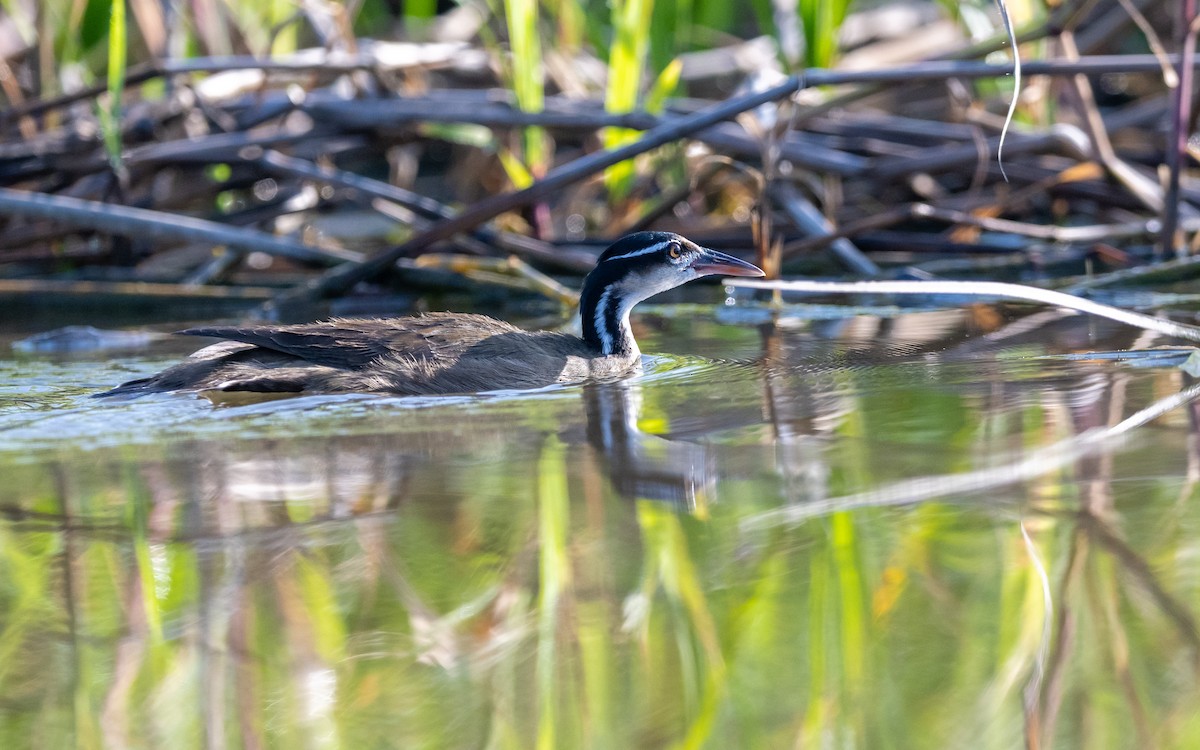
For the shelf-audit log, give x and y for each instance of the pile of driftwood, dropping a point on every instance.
(298, 178)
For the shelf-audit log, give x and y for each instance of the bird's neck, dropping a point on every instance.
(604, 309)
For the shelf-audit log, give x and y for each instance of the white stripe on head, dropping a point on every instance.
(644, 251)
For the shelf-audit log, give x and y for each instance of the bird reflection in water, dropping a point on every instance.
(641, 465)
(432, 460)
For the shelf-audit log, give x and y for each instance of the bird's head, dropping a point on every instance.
(638, 266)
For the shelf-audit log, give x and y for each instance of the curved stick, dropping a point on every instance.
(980, 289)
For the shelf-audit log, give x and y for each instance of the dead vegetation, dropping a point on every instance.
(306, 175)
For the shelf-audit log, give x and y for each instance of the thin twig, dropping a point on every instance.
(1170, 76)
(1143, 188)
(1184, 268)
(511, 272)
(1180, 131)
(809, 220)
(58, 288)
(980, 289)
(1016, 95)
(1093, 233)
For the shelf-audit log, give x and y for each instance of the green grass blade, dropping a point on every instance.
(111, 114)
(626, 65)
(822, 20)
(527, 75)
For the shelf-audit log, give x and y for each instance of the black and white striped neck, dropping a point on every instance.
(604, 307)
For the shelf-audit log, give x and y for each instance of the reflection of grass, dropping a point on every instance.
(510, 599)
(669, 565)
(27, 569)
(138, 508)
(555, 576)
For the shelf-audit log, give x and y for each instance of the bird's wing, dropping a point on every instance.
(355, 344)
(331, 347)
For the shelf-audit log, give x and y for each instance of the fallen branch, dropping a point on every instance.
(979, 289)
(141, 222)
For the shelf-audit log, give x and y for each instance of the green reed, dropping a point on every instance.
(527, 76)
(110, 111)
(631, 29)
(821, 21)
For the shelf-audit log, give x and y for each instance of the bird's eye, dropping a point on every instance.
(675, 250)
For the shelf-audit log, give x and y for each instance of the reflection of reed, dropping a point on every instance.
(810, 409)
(1096, 522)
(466, 582)
(814, 386)
(973, 483)
(259, 527)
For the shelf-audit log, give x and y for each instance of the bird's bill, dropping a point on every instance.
(713, 262)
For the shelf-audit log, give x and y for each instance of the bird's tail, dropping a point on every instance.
(131, 389)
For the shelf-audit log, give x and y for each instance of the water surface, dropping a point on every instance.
(924, 529)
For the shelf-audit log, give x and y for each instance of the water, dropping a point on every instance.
(806, 532)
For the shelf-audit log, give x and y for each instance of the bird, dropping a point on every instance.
(445, 353)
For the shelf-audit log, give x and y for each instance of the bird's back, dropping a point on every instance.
(435, 353)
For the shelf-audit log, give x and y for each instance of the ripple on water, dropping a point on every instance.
(47, 406)
(57, 410)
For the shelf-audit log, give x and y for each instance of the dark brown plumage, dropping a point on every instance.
(443, 353)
